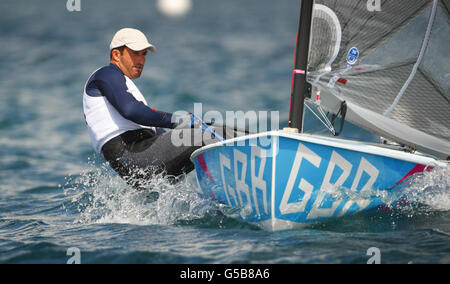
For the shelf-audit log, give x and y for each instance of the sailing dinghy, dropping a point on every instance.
(381, 65)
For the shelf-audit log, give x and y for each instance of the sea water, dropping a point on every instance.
(57, 196)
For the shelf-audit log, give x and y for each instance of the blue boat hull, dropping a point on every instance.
(281, 180)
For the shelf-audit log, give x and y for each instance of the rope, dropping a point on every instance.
(205, 127)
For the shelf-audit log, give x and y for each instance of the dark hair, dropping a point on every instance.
(120, 48)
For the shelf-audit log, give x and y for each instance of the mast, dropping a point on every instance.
(300, 87)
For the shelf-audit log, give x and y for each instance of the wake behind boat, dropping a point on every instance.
(349, 62)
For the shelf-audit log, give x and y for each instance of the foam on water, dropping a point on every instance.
(430, 189)
(420, 194)
(100, 196)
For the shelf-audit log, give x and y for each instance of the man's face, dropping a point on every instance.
(131, 62)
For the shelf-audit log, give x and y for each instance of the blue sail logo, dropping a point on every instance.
(353, 56)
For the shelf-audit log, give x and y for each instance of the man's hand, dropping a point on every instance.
(186, 121)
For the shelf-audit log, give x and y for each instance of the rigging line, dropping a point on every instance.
(205, 127)
(418, 62)
(325, 122)
(328, 123)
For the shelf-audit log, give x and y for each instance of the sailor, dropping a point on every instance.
(127, 132)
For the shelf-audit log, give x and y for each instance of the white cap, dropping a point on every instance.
(132, 38)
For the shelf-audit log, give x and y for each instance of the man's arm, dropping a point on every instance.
(113, 86)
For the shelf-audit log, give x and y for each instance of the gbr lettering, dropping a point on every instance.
(235, 196)
(246, 195)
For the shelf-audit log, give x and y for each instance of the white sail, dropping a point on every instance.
(392, 68)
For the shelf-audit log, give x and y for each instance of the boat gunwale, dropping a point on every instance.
(346, 144)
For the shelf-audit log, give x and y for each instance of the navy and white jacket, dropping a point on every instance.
(113, 105)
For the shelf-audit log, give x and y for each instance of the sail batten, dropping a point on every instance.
(392, 61)
(418, 62)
